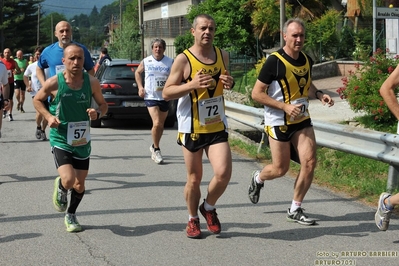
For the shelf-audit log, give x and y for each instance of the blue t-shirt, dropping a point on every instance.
(52, 55)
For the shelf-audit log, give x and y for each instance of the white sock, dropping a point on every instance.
(388, 206)
(208, 207)
(257, 179)
(295, 205)
(192, 217)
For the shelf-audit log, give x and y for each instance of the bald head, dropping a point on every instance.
(63, 31)
(73, 58)
(7, 53)
(20, 54)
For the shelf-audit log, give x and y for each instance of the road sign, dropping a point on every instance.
(387, 13)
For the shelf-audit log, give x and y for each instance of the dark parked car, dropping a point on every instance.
(120, 91)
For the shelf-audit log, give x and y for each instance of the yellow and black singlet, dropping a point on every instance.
(202, 110)
(289, 82)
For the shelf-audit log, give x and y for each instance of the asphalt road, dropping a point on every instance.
(134, 213)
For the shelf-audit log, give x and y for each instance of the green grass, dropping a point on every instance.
(243, 79)
(360, 178)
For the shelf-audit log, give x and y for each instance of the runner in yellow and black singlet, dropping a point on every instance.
(197, 79)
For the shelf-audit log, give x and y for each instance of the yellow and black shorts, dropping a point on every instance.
(285, 133)
(194, 142)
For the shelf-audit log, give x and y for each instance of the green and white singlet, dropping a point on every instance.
(69, 105)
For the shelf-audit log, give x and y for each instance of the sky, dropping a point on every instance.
(73, 7)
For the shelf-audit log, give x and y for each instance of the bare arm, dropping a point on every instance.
(49, 88)
(227, 80)
(139, 80)
(387, 92)
(40, 75)
(315, 93)
(99, 98)
(259, 94)
(17, 69)
(91, 72)
(6, 96)
(27, 84)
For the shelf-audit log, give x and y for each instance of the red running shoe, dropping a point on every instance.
(193, 228)
(212, 221)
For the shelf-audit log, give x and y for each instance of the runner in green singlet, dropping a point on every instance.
(69, 118)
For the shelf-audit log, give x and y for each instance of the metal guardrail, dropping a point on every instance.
(367, 143)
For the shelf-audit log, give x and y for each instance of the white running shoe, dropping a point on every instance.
(383, 214)
(156, 155)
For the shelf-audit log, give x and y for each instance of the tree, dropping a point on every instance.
(126, 41)
(265, 16)
(182, 42)
(16, 15)
(47, 27)
(321, 36)
(93, 18)
(234, 31)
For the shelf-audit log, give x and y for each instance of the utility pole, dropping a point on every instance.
(2, 39)
(120, 14)
(38, 25)
(141, 25)
(282, 21)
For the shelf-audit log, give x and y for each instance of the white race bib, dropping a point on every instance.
(211, 111)
(160, 82)
(78, 133)
(304, 108)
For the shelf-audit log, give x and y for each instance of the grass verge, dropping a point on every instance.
(360, 178)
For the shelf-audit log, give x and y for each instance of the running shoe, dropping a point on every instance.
(299, 217)
(71, 222)
(22, 109)
(43, 135)
(193, 229)
(156, 155)
(212, 221)
(60, 197)
(254, 188)
(4, 113)
(38, 133)
(10, 117)
(383, 214)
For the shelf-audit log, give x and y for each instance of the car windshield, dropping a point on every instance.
(120, 72)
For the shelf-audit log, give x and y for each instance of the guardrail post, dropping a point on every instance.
(262, 142)
(392, 182)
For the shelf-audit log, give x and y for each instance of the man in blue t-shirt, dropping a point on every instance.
(52, 55)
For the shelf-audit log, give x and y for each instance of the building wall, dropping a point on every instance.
(166, 20)
(175, 8)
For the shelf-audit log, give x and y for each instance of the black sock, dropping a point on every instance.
(61, 186)
(75, 200)
(155, 149)
(39, 127)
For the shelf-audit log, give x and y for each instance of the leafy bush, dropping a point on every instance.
(361, 87)
(254, 73)
(183, 42)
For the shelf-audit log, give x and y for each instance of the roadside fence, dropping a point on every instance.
(367, 143)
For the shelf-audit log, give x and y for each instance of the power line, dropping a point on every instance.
(66, 7)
